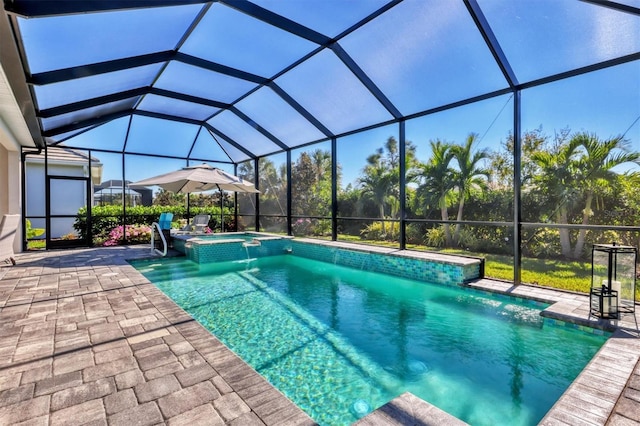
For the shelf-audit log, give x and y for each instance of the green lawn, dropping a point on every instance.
(566, 275)
(560, 274)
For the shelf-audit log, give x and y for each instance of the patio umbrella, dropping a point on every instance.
(200, 178)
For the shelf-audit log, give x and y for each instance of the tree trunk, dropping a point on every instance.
(577, 253)
(456, 237)
(384, 228)
(445, 216)
(565, 241)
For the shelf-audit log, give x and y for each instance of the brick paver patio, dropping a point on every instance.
(86, 339)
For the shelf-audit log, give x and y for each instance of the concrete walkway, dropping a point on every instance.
(86, 339)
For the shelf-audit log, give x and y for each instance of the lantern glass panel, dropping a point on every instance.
(614, 267)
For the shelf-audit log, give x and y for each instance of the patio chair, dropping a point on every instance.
(8, 228)
(165, 220)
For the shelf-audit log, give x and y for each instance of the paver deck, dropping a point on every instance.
(85, 338)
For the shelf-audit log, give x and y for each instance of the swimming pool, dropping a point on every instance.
(341, 342)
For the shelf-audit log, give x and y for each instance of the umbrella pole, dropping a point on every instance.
(188, 209)
(221, 211)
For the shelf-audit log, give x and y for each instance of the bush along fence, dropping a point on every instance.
(109, 227)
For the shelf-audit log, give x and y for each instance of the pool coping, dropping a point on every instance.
(408, 409)
(197, 237)
(604, 392)
(448, 259)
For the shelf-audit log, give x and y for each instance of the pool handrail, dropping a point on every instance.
(162, 238)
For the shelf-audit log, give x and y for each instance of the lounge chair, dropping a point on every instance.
(197, 225)
(199, 222)
(8, 228)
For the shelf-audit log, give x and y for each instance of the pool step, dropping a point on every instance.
(169, 271)
(173, 271)
(500, 310)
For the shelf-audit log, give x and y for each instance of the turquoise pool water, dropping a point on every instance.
(341, 342)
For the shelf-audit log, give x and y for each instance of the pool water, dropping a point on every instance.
(341, 342)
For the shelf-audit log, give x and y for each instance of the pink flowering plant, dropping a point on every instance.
(136, 234)
(302, 227)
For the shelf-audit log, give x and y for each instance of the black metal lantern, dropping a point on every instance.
(603, 302)
(613, 278)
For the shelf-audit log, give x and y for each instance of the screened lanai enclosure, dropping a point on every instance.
(498, 128)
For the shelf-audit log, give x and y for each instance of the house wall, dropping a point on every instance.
(10, 200)
(4, 188)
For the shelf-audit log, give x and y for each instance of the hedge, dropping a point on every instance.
(105, 218)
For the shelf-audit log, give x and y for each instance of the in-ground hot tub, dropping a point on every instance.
(229, 246)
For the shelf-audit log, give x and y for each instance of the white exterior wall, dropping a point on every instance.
(10, 185)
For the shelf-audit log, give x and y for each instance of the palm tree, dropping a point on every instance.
(377, 182)
(436, 180)
(579, 169)
(595, 172)
(272, 183)
(380, 179)
(470, 176)
(246, 171)
(321, 163)
(557, 182)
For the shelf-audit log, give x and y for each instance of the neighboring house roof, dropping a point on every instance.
(64, 156)
(69, 157)
(117, 183)
(116, 186)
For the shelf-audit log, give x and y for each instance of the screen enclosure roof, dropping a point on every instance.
(233, 80)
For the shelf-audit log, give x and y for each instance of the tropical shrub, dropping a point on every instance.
(467, 239)
(389, 231)
(415, 233)
(33, 232)
(436, 237)
(541, 243)
(321, 227)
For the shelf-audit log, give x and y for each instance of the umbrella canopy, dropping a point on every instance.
(200, 178)
(197, 179)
